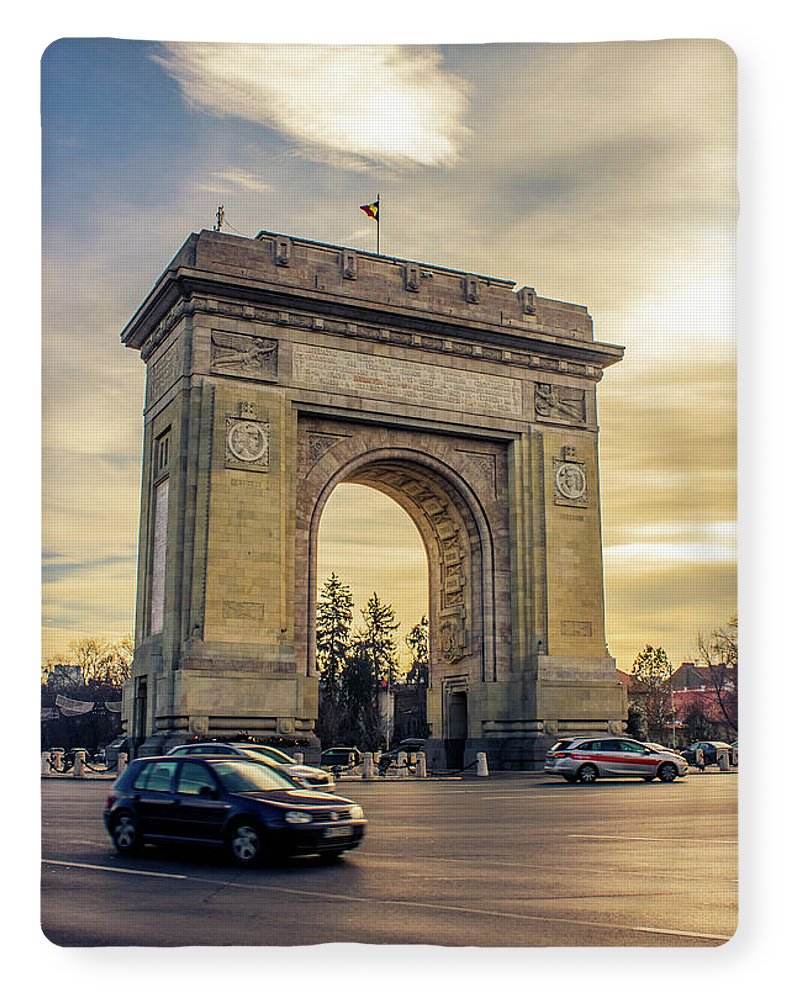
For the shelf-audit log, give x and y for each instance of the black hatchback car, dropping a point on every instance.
(256, 812)
(710, 748)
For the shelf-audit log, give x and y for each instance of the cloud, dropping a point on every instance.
(360, 104)
(601, 174)
(233, 177)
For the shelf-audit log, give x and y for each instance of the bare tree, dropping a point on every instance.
(103, 662)
(720, 652)
(652, 671)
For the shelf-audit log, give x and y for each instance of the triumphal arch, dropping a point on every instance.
(279, 368)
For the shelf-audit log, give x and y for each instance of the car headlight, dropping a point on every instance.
(356, 812)
(293, 816)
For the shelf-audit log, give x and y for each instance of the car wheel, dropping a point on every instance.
(331, 857)
(667, 772)
(245, 843)
(125, 834)
(587, 774)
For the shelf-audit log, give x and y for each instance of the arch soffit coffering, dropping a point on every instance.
(453, 525)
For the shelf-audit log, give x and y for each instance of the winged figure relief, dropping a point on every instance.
(243, 354)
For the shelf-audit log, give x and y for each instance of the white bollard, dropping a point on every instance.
(722, 760)
(700, 758)
(123, 759)
(46, 767)
(299, 757)
(735, 756)
(368, 766)
(401, 765)
(79, 764)
(483, 766)
(421, 765)
(57, 761)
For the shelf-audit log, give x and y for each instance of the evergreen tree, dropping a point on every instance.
(360, 722)
(333, 638)
(377, 643)
(417, 640)
(333, 631)
(418, 674)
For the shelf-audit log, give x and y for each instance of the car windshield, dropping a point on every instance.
(252, 776)
(271, 753)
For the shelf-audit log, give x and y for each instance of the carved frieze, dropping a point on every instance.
(244, 356)
(559, 403)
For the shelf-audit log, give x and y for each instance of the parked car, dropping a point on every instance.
(273, 755)
(411, 747)
(586, 758)
(340, 757)
(253, 810)
(710, 750)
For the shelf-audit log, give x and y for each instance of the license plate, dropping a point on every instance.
(337, 831)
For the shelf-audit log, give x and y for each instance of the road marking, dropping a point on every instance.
(652, 840)
(527, 798)
(107, 868)
(531, 865)
(404, 903)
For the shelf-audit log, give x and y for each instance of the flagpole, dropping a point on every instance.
(378, 218)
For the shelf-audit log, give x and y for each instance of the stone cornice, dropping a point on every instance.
(455, 346)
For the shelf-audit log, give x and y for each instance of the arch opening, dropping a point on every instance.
(369, 546)
(459, 553)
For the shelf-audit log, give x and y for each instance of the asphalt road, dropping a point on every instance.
(513, 860)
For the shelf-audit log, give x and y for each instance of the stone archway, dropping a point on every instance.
(451, 495)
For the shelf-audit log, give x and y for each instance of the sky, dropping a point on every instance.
(602, 174)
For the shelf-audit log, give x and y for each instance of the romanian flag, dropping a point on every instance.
(371, 210)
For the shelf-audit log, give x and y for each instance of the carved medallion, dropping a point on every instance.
(571, 483)
(246, 444)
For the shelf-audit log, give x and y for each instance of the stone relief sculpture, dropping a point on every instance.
(571, 483)
(452, 640)
(238, 354)
(560, 403)
(246, 444)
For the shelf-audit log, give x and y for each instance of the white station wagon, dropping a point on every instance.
(586, 758)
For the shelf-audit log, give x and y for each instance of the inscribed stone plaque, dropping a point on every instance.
(576, 628)
(412, 381)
